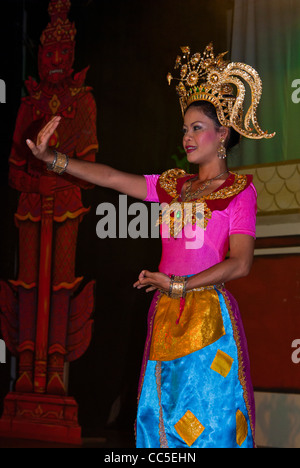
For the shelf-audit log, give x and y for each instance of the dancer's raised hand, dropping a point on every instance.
(41, 149)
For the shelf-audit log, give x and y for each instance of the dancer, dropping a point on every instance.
(195, 387)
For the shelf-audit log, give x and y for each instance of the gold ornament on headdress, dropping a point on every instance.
(60, 29)
(209, 78)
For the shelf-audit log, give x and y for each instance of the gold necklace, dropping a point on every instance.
(193, 195)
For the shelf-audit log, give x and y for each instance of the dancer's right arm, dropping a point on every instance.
(94, 173)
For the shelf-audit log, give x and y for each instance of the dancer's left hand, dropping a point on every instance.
(153, 281)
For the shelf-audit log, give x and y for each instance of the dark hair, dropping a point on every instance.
(209, 110)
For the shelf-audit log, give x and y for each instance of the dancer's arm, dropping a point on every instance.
(237, 265)
(94, 173)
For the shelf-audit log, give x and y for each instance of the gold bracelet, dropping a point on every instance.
(177, 287)
(60, 163)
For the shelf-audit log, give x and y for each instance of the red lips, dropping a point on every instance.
(190, 149)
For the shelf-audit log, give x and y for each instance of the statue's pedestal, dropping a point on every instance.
(41, 417)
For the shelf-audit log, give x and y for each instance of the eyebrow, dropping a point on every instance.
(193, 123)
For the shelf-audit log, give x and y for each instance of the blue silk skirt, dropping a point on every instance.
(195, 387)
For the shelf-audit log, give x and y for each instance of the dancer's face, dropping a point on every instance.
(202, 138)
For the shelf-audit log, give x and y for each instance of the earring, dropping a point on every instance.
(222, 150)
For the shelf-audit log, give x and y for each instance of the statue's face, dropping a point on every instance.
(56, 61)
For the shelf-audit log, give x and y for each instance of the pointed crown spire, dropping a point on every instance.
(60, 29)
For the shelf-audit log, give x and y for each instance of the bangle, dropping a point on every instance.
(60, 163)
(171, 285)
(177, 287)
(50, 166)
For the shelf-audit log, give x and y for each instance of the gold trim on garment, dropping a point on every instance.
(168, 182)
(175, 213)
(241, 366)
(162, 432)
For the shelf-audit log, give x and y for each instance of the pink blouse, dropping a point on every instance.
(197, 249)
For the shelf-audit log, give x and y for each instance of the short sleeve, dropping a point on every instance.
(243, 211)
(152, 195)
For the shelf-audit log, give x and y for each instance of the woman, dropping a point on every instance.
(195, 386)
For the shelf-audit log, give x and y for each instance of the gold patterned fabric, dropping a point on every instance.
(168, 181)
(241, 428)
(189, 428)
(177, 332)
(219, 199)
(222, 363)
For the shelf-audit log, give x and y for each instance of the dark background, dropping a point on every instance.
(130, 47)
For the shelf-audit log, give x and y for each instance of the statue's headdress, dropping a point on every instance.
(209, 78)
(60, 29)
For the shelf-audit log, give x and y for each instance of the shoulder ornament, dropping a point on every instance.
(168, 181)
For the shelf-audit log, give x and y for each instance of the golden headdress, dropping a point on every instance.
(209, 78)
(60, 29)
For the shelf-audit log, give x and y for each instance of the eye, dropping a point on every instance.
(197, 127)
(49, 54)
(65, 51)
(184, 130)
